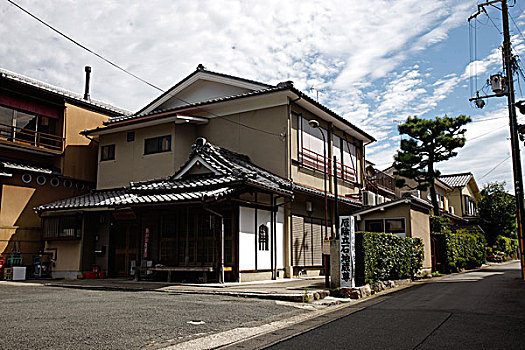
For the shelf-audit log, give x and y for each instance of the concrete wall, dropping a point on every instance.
(68, 254)
(395, 212)
(131, 164)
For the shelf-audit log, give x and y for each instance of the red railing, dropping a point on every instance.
(381, 179)
(31, 137)
(317, 161)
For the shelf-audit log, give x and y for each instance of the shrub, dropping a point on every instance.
(508, 246)
(383, 256)
(460, 250)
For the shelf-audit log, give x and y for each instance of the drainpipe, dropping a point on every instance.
(275, 210)
(221, 272)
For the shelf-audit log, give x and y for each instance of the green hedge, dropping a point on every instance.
(381, 257)
(460, 250)
(507, 245)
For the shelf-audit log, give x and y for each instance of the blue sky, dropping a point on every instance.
(375, 63)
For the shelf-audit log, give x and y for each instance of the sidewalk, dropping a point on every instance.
(296, 289)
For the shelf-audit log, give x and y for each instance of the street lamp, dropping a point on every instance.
(315, 125)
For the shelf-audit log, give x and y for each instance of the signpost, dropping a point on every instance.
(347, 251)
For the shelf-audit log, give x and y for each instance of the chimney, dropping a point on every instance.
(86, 90)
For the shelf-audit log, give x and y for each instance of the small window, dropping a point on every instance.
(374, 226)
(107, 152)
(263, 237)
(131, 136)
(157, 145)
(395, 226)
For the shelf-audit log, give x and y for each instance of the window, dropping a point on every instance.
(346, 153)
(470, 206)
(157, 145)
(107, 152)
(374, 226)
(131, 136)
(263, 237)
(311, 147)
(62, 227)
(395, 226)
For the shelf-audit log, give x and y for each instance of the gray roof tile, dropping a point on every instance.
(456, 180)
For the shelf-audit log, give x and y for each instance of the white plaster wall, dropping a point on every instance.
(248, 244)
(246, 239)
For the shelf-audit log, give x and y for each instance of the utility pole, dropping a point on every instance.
(516, 161)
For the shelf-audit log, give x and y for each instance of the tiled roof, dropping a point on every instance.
(231, 171)
(405, 199)
(125, 197)
(319, 193)
(5, 74)
(194, 104)
(27, 167)
(265, 90)
(456, 180)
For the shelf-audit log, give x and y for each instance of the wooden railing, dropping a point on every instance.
(317, 161)
(383, 180)
(30, 137)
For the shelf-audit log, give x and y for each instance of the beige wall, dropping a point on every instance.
(420, 228)
(455, 200)
(131, 164)
(19, 224)
(80, 154)
(265, 150)
(67, 255)
(398, 211)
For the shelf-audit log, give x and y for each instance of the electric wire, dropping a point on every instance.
(495, 167)
(487, 133)
(127, 71)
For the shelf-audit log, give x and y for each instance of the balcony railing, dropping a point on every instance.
(317, 161)
(31, 137)
(383, 180)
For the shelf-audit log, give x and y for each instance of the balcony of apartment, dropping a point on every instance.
(314, 160)
(30, 131)
(381, 181)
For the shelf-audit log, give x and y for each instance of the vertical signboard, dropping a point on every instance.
(347, 251)
(146, 242)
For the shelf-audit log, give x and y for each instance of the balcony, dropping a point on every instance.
(314, 160)
(28, 138)
(382, 181)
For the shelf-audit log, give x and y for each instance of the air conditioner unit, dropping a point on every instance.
(369, 198)
(380, 199)
(451, 210)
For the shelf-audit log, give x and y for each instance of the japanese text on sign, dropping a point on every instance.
(347, 251)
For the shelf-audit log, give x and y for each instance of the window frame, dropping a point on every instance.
(383, 223)
(110, 155)
(159, 140)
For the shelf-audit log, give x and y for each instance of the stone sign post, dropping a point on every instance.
(346, 251)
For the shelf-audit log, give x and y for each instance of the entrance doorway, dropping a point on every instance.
(123, 242)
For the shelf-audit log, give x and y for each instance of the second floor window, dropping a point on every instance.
(157, 144)
(470, 206)
(311, 147)
(107, 152)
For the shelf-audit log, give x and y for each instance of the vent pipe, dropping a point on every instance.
(86, 90)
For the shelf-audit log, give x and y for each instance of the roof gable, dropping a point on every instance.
(202, 85)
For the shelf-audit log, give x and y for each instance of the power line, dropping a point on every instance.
(127, 71)
(487, 133)
(491, 170)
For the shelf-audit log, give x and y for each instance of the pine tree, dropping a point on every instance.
(430, 141)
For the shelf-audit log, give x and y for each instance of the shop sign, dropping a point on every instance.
(347, 251)
(146, 242)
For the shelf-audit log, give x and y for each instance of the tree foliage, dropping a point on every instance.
(430, 141)
(497, 212)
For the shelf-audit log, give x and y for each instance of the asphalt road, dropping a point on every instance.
(39, 317)
(477, 310)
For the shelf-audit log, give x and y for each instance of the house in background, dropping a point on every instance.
(275, 129)
(379, 186)
(464, 197)
(43, 158)
(407, 216)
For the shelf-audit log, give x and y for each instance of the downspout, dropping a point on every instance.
(221, 272)
(275, 210)
(273, 244)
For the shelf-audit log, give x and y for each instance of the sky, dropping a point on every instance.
(374, 63)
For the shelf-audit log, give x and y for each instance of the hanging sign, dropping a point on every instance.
(146, 242)
(347, 251)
